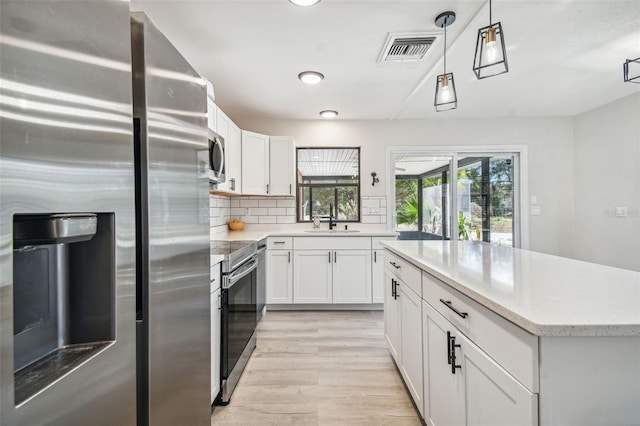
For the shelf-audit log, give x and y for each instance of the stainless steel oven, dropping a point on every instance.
(239, 304)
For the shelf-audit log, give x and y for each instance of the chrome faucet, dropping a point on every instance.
(332, 223)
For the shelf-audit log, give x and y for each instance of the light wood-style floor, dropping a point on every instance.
(319, 368)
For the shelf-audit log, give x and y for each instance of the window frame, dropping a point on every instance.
(357, 186)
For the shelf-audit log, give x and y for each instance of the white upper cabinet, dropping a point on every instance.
(234, 156)
(281, 165)
(255, 163)
(232, 152)
(211, 115)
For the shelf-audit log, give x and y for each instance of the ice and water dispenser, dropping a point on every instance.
(63, 294)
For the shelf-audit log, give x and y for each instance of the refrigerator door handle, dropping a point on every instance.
(140, 230)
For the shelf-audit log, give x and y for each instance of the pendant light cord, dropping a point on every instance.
(445, 45)
(490, 20)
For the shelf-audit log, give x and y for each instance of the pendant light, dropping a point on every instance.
(491, 56)
(631, 69)
(445, 98)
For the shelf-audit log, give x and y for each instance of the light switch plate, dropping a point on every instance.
(536, 211)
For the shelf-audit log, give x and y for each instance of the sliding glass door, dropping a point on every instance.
(484, 188)
(423, 195)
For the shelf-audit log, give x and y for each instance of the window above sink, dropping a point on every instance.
(328, 178)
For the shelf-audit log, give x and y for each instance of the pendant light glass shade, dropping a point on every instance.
(631, 69)
(446, 97)
(491, 56)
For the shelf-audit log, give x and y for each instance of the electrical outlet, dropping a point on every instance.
(536, 211)
(621, 212)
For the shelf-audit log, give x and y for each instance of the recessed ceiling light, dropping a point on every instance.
(328, 113)
(304, 2)
(311, 77)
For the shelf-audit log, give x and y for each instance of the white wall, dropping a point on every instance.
(550, 151)
(607, 175)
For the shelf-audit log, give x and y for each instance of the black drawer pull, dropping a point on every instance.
(448, 304)
(395, 265)
(279, 242)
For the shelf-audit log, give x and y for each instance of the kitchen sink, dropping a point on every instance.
(333, 231)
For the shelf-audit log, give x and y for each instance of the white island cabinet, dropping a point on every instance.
(511, 337)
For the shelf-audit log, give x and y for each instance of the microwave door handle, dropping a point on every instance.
(235, 277)
(219, 147)
(211, 148)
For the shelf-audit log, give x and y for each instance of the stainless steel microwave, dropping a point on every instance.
(216, 158)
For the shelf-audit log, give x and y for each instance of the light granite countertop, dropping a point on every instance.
(258, 232)
(543, 294)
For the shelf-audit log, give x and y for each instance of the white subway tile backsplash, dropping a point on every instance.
(267, 203)
(370, 219)
(249, 219)
(278, 210)
(238, 211)
(248, 203)
(287, 202)
(370, 202)
(286, 219)
(258, 211)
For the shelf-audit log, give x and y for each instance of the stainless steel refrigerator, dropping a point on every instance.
(104, 253)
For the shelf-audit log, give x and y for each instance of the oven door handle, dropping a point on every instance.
(241, 273)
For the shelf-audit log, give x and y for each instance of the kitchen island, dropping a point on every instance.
(509, 336)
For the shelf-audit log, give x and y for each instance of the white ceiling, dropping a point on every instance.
(565, 56)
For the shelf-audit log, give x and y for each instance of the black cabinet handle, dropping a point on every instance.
(393, 294)
(329, 257)
(375, 258)
(453, 346)
(278, 242)
(449, 347)
(289, 257)
(396, 290)
(335, 257)
(448, 305)
(395, 265)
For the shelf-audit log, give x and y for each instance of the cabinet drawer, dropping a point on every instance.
(510, 346)
(332, 243)
(279, 243)
(404, 270)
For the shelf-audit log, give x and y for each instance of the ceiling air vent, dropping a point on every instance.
(405, 47)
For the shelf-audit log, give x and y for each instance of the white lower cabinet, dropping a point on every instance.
(377, 276)
(312, 276)
(332, 270)
(391, 317)
(464, 386)
(403, 330)
(351, 276)
(279, 276)
(215, 343)
(411, 343)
